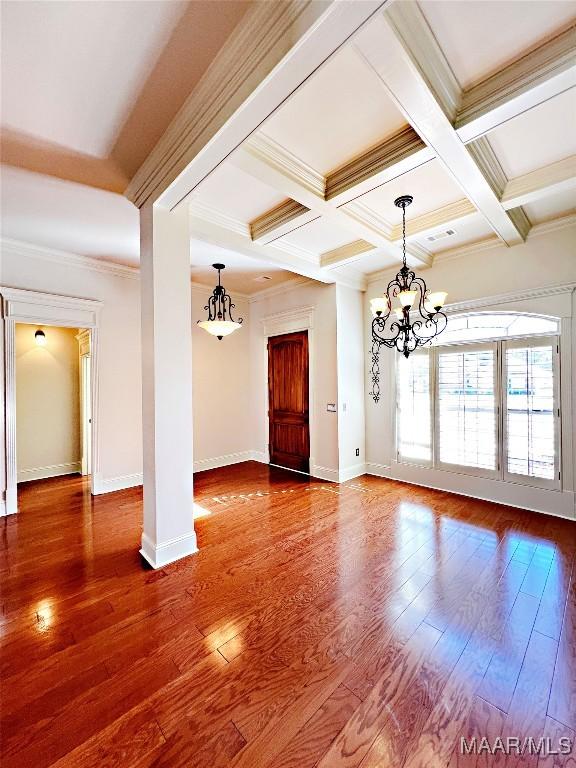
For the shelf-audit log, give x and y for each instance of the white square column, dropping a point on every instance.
(168, 532)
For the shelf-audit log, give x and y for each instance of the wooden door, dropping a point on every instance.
(288, 401)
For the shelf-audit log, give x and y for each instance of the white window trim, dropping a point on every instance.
(513, 477)
(500, 474)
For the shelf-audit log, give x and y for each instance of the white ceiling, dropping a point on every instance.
(479, 37)
(341, 111)
(242, 274)
(430, 185)
(241, 196)
(71, 71)
(538, 137)
(61, 88)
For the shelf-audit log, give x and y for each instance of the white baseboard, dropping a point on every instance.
(52, 470)
(2, 508)
(556, 503)
(159, 555)
(201, 465)
(111, 484)
(349, 473)
(324, 473)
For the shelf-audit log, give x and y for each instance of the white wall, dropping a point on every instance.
(221, 388)
(352, 352)
(548, 258)
(47, 403)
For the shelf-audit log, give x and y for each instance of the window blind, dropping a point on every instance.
(530, 410)
(467, 408)
(414, 407)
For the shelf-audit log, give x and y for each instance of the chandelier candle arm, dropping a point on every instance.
(417, 317)
(220, 322)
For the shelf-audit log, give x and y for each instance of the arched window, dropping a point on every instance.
(481, 326)
(485, 399)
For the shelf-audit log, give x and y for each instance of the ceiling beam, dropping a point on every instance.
(549, 180)
(401, 49)
(535, 77)
(396, 155)
(215, 232)
(274, 49)
(266, 160)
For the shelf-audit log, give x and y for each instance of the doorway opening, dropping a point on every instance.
(288, 401)
(53, 402)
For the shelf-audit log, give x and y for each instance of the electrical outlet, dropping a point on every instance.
(357, 451)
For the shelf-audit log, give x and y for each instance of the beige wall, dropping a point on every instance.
(47, 403)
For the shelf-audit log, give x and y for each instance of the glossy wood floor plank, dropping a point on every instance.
(370, 624)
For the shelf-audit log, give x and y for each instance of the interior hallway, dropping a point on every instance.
(318, 625)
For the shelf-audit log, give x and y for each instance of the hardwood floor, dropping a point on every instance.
(368, 624)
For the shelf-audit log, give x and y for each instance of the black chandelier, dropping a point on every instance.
(220, 322)
(413, 326)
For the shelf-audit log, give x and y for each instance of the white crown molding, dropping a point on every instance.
(512, 296)
(279, 221)
(548, 180)
(201, 210)
(373, 166)
(274, 154)
(369, 218)
(536, 76)
(20, 248)
(281, 289)
(347, 253)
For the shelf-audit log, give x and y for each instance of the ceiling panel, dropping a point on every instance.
(430, 186)
(340, 112)
(467, 230)
(551, 207)
(537, 137)
(479, 37)
(237, 194)
(318, 237)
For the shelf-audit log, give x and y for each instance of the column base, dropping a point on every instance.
(168, 552)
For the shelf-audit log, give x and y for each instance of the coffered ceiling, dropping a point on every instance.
(468, 106)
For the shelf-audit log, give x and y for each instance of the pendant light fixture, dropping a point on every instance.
(416, 319)
(220, 322)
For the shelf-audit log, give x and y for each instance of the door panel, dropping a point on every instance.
(289, 431)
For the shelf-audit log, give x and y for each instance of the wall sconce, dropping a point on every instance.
(40, 338)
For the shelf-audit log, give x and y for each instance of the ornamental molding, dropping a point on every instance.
(274, 154)
(277, 218)
(374, 161)
(28, 250)
(533, 68)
